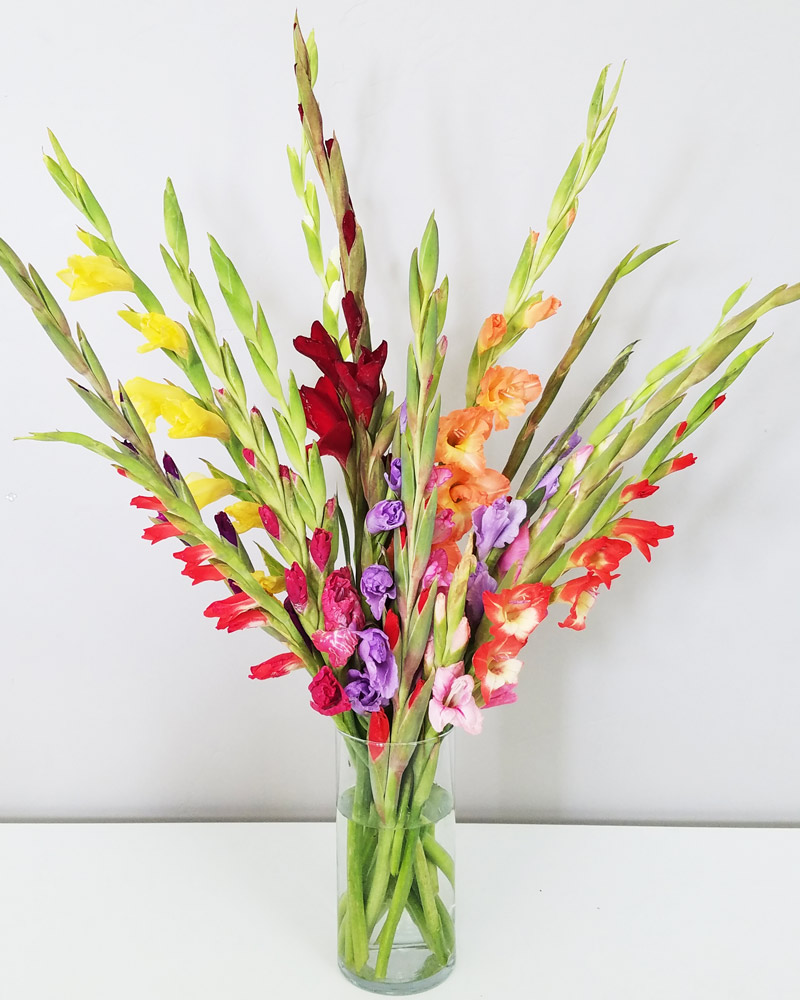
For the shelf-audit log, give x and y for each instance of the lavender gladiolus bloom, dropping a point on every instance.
(371, 688)
(386, 515)
(497, 525)
(377, 584)
(574, 441)
(403, 417)
(393, 478)
(549, 482)
(479, 581)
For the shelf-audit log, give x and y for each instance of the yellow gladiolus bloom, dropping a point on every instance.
(88, 276)
(188, 418)
(206, 489)
(159, 331)
(244, 516)
(272, 584)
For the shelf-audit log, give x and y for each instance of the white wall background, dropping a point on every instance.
(680, 701)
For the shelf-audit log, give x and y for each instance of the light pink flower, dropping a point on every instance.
(452, 700)
(515, 553)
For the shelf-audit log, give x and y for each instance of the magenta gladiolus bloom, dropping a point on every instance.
(452, 700)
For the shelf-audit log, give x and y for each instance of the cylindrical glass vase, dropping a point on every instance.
(395, 833)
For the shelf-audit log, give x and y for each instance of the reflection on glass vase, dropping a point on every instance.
(395, 830)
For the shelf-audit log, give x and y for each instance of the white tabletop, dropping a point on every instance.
(226, 911)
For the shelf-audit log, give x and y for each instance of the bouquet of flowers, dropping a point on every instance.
(408, 604)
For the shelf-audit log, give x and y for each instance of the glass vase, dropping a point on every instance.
(395, 834)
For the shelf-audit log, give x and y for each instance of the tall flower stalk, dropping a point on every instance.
(409, 606)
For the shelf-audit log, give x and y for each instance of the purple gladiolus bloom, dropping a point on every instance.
(393, 478)
(170, 467)
(371, 688)
(403, 417)
(479, 581)
(549, 482)
(377, 584)
(574, 441)
(386, 515)
(497, 525)
(226, 529)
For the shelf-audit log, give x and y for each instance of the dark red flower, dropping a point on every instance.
(327, 694)
(296, 587)
(326, 417)
(349, 229)
(321, 348)
(353, 318)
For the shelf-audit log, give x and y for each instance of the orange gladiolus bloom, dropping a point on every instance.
(462, 435)
(464, 492)
(492, 332)
(515, 612)
(506, 392)
(541, 310)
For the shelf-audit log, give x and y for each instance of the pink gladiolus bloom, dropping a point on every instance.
(437, 567)
(249, 456)
(341, 605)
(505, 695)
(270, 521)
(327, 694)
(440, 474)
(515, 553)
(275, 666)
(319, 548)
(452, 700)
(339, 644)
(443, 526)
(296, 587)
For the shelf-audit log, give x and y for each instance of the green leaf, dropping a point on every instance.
(733, 298)
(233, 291)
(175, 228)
(645, 255)
(179, 280)
(58, 176)
(429, 256)
(295, 171)
(92, 208)
(566, 189)
(314, 250)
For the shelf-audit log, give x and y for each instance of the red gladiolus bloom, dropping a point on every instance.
(601, 556)
(349, 229)
(353, 318)
(681, 463)
(516, 611)
(319, 548)
(341, 605)
(249, 456)
(326, 417)
(201, 574)
(236, 612)
(321, 348)
(193, 553)
(158, 532)
(718, 401)
(416, 692)
(378, 733)
(681, 429)
(391, 627)
(642, 534)
(497, 665)
(275, 666)
(148, 503)
(637, 491)
(581, 593)
(327, 694)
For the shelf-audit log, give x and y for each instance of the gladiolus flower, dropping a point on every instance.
(416, 692)
(269, 520)
(236, 612)
(681, 429)
(202, 574)
(159, 331)
(515, 553)
(327, 694)
(516, 611)
(88, 276)
(188, 418)
(681, 463)
(193, 553)
(326, 417)
(391, 627)
(440, 474)
(541, 310)
(158, 532)
(386, 515)
(462, 435)
(642, 534)
(497, 524)
(480, 580)
(296, 587)
(249, 456)
(378, 733)
(377, 586)
(244, 516)
(269, 584)
(506, 392)
(338, 643)
(276, 666)
(600, 555)
(207, 489)
(492, 332)
(505, 695)
(637, 491)
(581, 593)
(463, 493)
(452, 700)
(496, 665)
(394, 476)
(319, 548)
(718, 401)
(148, 503)
(437, 570)
(341, 607)
(226, 529)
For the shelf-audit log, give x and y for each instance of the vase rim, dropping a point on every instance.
(400, 743)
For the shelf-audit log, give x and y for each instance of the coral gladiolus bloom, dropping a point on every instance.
(496, 665)
(87, 276)
(206, 489)
(681, 463)
(236, 612)
(637, 491)
(188, 418)
(276, 666)
(159, 331)
(581, 593)
(378, 733)
(244, 516)
(515, 612)
(461, 438)
(492, 332)
(506, 392)
(600, 555)
(158, 532)
(541, 310)
(464, 493)
(642, 534)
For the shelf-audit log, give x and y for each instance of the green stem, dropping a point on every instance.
(427, 896)
(397, 905)
(355, 899)
(439, 856)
